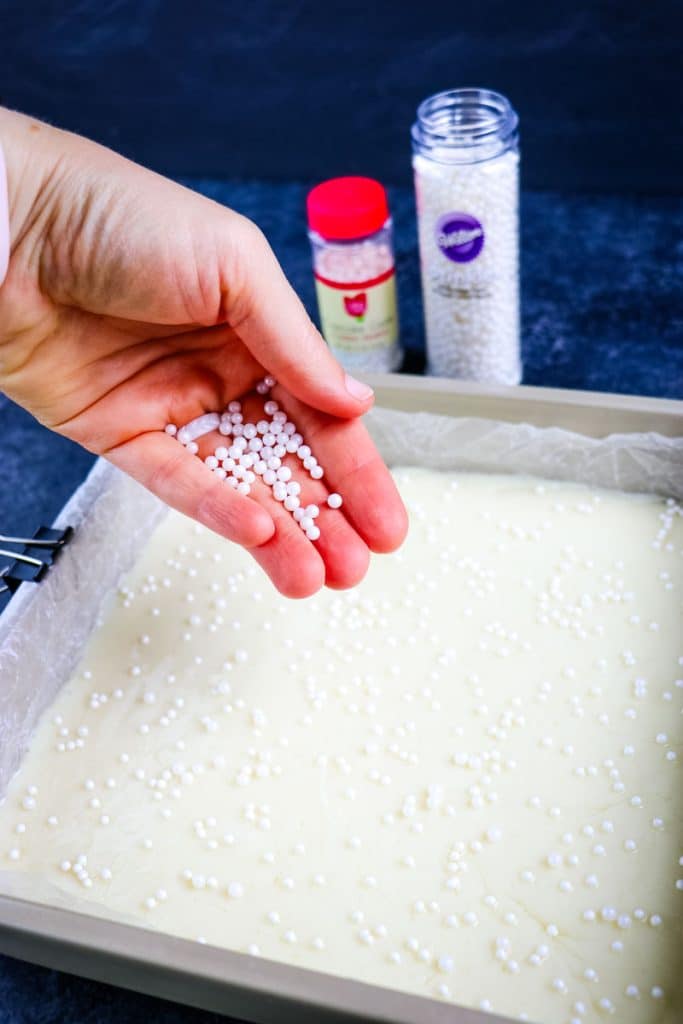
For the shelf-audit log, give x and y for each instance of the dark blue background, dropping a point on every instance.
(249, 102)
(297, 89)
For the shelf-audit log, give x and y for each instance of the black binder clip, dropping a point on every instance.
(37, 554)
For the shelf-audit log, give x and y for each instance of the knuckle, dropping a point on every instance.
(249, 238)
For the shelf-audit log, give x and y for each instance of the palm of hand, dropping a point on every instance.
(123, 327)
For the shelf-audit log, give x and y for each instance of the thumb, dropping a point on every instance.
(273, 324)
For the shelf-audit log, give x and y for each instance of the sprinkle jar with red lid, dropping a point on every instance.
(350, 230)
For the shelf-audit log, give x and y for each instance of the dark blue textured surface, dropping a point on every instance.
(601, 310)
(298, 89)
(33, 995)
(601, 281)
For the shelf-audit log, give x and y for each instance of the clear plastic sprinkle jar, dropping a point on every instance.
(466, 166)
(351, 238)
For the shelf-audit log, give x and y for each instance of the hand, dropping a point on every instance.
(131, 302)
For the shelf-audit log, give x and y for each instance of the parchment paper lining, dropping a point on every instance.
(45, 627)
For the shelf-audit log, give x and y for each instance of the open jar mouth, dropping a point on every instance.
(464, 125)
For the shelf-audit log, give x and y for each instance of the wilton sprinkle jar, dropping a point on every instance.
(466, 167)
(353, 261)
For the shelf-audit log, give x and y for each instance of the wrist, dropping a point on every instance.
(28, 166)
(29, 185)
(4, 219)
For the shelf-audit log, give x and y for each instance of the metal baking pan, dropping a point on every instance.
(252, 988)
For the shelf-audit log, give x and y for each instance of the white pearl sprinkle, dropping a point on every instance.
(445, 963)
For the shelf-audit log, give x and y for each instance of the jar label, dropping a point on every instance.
(359, 317)
(467, 228)
(459, 236)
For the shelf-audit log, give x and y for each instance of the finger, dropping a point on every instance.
(289, 558)
(344, 554)
(354, 468)
(272, 322)
(186, 484)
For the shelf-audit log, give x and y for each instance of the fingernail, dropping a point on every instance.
(358, 389)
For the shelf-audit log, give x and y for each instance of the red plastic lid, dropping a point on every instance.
(347, 207)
